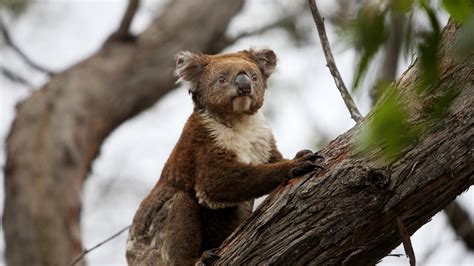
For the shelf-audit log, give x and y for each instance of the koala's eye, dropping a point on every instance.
(254, 78)
(221, 80)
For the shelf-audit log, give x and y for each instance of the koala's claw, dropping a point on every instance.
(308, 155)
(303, 169)
(305, 162)
(303, 153)
(315, 157)
(209, 256)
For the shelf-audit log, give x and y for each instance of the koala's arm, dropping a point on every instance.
(222, 181)
(275, 155)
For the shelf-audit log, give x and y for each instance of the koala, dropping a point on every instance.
(225, 158)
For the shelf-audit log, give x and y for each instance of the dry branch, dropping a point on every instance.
(15, 77)
(16, 48)
(348, 213)
(85, 251)
(331, 64)
(407, 246)
(123, 31)
(283, 22)
(127, 19)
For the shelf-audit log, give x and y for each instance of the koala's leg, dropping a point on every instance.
(182, 241)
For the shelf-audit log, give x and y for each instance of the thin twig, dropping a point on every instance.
(81, 256)
(124, 28)
(11, 43)
(122, 34)
(355, 114)
(406, 242)
(284, 22)
(15, 77)
(398, 255)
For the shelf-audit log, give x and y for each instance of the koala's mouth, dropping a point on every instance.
(242, 96)
(241, 103)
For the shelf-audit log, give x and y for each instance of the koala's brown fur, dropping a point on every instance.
(224, 159)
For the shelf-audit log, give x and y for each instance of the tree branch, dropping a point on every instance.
(11, 43)
(406, 241)
(81, 256)
(123, 31)
(15, 77)
(355, 114)
(461, 223)
(127, 19)
(283, 22)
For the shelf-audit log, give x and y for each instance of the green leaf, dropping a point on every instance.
(361, 69)
(429, 51)
(441, 104)
(380, 86)
(389, 129)
(460, 10)
(369, 35)
(429, 61)
(464, 44)
(402, 6)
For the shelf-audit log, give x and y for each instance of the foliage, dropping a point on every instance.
(465, 43)
(460, 10)
(368, 34)
(368, 31)
(389, 128)
(15, 6)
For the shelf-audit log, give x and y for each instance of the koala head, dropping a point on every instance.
(226, 85)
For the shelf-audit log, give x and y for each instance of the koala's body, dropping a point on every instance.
(224, 159)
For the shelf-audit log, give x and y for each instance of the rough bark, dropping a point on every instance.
(348, 213)
(59, 129)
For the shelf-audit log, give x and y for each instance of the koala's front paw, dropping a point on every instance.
(305, 162)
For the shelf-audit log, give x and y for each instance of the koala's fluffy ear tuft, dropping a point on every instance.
(189, 67)
(265, 58)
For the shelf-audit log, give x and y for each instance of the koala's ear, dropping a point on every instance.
(189, 66)
(266, 60)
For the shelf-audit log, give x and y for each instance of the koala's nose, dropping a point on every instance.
(244, 86)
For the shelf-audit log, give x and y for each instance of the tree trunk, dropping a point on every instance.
(347, 214)
(59, 129)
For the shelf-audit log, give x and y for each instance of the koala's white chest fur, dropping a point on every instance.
(250, 139)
